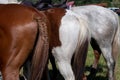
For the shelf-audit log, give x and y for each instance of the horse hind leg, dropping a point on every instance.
(107, 53)
(64, 62)
(54, 67)
(97, 54)
(93, 70)
(10, 73)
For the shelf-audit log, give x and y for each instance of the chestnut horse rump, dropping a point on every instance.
(23, 32)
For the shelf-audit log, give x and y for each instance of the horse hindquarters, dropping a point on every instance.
(21, 39)
(73, 33)
(64, 53)
(110, 51)
(116, 44)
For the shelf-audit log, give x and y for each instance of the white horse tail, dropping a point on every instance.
(116, 41)
(81, 49)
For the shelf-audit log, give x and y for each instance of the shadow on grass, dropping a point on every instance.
(57, 76)
(100, 70)
(97, 78)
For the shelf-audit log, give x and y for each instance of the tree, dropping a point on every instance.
(115, 3)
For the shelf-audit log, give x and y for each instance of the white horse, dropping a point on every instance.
(105, 33)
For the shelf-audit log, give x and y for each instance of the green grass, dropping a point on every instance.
(102, 67)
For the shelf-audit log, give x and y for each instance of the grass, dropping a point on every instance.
(102, 67)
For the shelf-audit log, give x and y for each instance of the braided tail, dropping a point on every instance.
(40, 54)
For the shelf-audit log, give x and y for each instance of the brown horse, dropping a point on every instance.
(23, 33)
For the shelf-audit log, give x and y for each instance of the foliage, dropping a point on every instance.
(83, 2)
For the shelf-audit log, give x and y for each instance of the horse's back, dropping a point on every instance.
(15, 11)
(100, 20)
(95, 12)
(14, 15)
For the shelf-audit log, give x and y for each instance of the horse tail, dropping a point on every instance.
(116, 41)
(81, 49)
(79, 60)
(40, 54)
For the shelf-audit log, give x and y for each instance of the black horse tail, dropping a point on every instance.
(40, 55)
(79, 60)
